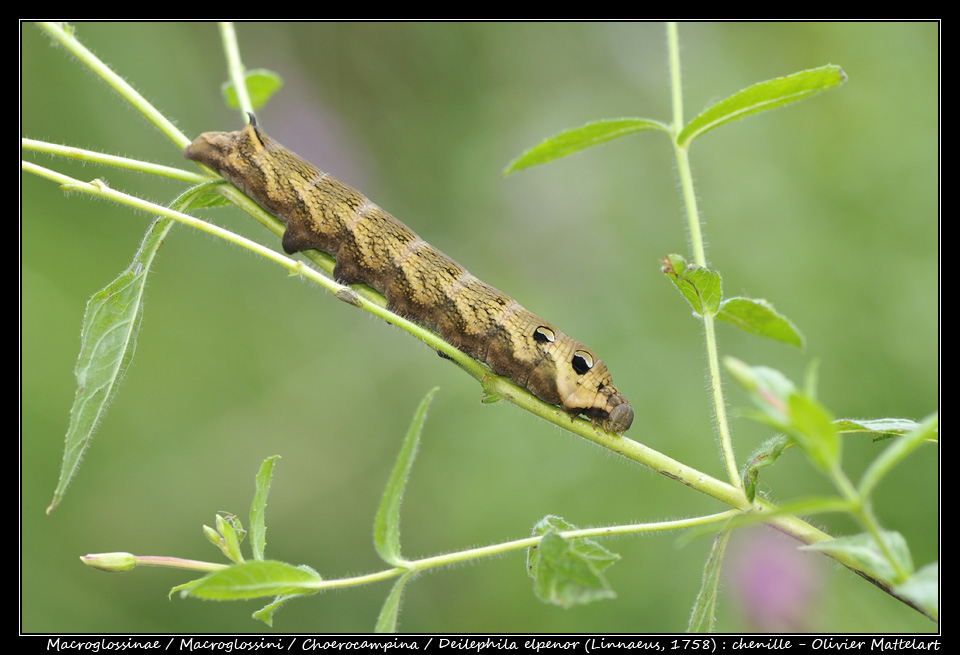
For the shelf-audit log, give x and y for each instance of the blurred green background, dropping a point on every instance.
(828, 209)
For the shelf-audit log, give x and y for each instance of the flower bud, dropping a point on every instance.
(112, 562)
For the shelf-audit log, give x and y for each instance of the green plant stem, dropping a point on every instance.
(690, 201)
(124, 163)
(699, 253)
(719, 404)
(99, 189)
(121, 562)
(676, 82)
(179, 563)
(117, 83)
(427, 563)
(231, 51)
(784, 523)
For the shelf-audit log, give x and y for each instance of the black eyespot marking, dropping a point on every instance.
(543, 334)
(582, 362)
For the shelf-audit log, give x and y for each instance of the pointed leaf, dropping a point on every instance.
(255, 580)
(266, 612)
(579, 138)
(258, 526)
(107, 343)
(757, 316)
(387, 620)
(879, 428)
(386, 527)
(703, 616)
(770, 94)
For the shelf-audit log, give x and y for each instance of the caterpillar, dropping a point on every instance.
(418, 281)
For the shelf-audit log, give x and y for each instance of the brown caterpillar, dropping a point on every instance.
(419, 281)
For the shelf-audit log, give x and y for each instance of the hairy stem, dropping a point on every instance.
(696, 240)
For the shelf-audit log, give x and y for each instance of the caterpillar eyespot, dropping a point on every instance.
(582, 361)
(544, 334)
(419, 281)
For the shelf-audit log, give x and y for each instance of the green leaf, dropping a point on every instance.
(814, 431)
(865, 550)
(895, 453)
(490, 396)
(266, 612)
(769, 389)
(258, 525)
(386, 527)
(757, 316)
(261, 84)
(568, 572)
(387, 620)
(796, 413)
(580, 138)
(880, 428)
(700, 286)
(703, 616)
(107, 342)
(255, 580)
(761, 97)
(673, 265)
(923, 588)
(202, 196)
(765, 455)
(227, 535)
(231, 534)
